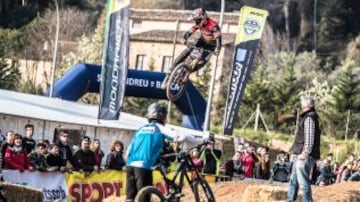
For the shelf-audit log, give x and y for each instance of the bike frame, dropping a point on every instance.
(191, 63)
(184, 164)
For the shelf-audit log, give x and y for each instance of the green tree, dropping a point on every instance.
(89, 49)
(202, 82)
(258, 90)
(9, 69)
(344, 99)
(346, 93)
(28, 85)
(9, 74)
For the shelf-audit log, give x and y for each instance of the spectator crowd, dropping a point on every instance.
(249, 162)
(24, 153)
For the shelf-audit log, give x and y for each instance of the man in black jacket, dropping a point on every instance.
(64, 149)
(306, 150)
(84, 158)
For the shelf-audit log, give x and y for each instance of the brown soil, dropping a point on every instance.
(234, 191)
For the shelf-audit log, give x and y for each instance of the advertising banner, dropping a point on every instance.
(95, 187)
(115, 60)
(251, 26)
(52, 184)
(76, 186)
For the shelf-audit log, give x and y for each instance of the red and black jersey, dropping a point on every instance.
(209, 32)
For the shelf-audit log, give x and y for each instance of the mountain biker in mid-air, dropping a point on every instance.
(210, 39)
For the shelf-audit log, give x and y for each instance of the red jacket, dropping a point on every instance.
(16, 160)
(248, 162)
(208, 32)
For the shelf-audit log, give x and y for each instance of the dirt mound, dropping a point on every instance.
(236, 191)
(260, 193)
(243, 190)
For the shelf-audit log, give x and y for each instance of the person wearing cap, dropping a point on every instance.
(210, 39)
(305, 150)
(84, 158)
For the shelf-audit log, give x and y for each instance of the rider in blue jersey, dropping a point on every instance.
(145, 149)
(147, 145)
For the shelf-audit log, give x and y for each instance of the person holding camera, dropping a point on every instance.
(211, 158)
(281, 168)
(248, 160)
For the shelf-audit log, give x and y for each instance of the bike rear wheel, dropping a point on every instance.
(175, 86)
(149, 194)
(202, 190)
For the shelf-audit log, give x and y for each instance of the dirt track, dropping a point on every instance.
(233, 191)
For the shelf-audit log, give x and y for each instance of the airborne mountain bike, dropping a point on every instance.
(199, 186)
(179, 76)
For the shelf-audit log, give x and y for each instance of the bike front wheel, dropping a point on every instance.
(149, 194)
(177, 81)
(202, 190)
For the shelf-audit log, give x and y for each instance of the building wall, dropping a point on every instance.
(138, 26)
(155, 52)
(46, 129)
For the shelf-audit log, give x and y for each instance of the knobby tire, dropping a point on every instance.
(149, 190)
(205, 188)
(175, 76)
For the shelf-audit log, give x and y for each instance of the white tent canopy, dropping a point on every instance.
(57, 110)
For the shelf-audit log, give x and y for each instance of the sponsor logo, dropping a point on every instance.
(115, 70)
(96, 191)
(240, 54)
(53, 194)
(235, 79)
(137, 82)
(257, 14)
(251, 26)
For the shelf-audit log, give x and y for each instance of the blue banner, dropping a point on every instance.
(115, 60)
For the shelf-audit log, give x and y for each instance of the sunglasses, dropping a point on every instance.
(65, 136)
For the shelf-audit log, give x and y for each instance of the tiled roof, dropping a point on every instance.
(168, 36)
(182, 15)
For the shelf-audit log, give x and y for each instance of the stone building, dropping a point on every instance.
(152, 42)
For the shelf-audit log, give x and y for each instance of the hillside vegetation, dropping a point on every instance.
(312, 50)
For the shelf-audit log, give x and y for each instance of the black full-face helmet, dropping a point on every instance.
(156, 112)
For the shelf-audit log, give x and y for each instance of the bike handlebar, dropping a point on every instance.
(176, 154)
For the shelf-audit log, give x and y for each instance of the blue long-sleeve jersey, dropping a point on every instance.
(146, 146)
